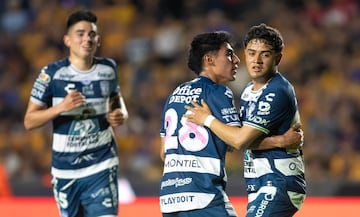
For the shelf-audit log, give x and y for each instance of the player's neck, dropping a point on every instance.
(258, 83)
(80, 63)
(212, 76)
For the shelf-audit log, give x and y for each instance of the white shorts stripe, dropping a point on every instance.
(83, 172)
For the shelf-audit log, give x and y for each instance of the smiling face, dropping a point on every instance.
(222, 65)
(82, 40)
(261, 60)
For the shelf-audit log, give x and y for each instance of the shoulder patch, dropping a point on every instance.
(43, 77)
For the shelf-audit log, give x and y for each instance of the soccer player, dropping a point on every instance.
(274, 177)
(194, 177)
(80, 94)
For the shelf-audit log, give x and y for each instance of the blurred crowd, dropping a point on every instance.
(149, 40)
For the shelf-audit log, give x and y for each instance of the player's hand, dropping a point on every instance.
(198, 113)
(294, 137)
(73, 100)
(116, 118)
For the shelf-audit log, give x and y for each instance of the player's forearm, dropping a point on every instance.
(118, 102)
(162, 149)
(38, 118)
(267, 143)
(291, 139)
(231, 135)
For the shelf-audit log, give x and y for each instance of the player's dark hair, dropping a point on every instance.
(203, 44)
(80, 16)
(271, 36)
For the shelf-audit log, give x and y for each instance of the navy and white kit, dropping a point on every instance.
(275, 178)
(83, 146)
(194, 176)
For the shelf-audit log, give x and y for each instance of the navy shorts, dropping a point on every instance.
(92, 196)
(271, 201)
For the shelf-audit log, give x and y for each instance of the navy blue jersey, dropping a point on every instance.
(272, 110)
(194, 174)
(83, 142)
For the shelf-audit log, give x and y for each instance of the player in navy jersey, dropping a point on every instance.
(81, 96)
(275, 177)
(194, 176)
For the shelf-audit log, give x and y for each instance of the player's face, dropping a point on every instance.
(82, 39)
(261, 60)
(225, 64)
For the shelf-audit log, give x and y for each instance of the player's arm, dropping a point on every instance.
(162, 148)
(291, 139)
(240, 138)
(118, 112)
(37, 115)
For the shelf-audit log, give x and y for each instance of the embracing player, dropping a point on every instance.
(275, 177)
(194, 176)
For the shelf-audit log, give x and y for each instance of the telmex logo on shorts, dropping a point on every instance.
(176, 182)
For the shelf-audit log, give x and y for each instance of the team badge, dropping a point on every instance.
(105, 88)
(88, 90)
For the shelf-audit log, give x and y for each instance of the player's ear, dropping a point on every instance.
(98, 41)
(278, 58)
(208, 59)
(66, 40)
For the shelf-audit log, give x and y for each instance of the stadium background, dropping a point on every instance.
(149, 39)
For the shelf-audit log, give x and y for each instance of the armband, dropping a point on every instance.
(209, 119)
